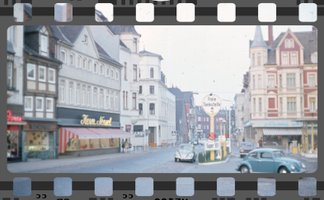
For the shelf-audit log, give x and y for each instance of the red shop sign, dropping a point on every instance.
(12, 118)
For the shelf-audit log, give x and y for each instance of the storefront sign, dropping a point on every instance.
(86, 121)
(211, 104)
(12, 118)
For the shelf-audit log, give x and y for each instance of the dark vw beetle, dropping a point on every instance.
(267, 160)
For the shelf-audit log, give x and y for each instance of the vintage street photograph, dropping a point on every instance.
(162, 99)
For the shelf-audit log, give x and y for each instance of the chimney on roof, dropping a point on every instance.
(270, 34)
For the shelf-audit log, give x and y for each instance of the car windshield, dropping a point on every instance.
(278, 154)
(247, 145)
(185, 147)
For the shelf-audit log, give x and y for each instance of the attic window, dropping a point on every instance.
(43, 42)
(314, 57)
(289, 43)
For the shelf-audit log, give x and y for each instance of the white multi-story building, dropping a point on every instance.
(89, 90)
(156, 103)
(129, 58)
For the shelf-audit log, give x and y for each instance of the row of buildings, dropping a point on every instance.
(82, 90)
(279, 100)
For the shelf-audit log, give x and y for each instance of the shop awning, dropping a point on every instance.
(274, 131)
(97, 133)
(69, 134)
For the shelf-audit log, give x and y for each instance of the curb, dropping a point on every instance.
(217, 162)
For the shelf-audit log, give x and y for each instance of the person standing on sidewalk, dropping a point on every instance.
(125, 146)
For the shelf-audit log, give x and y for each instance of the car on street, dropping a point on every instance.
(245, 148)
(185, 152)
(268, 160)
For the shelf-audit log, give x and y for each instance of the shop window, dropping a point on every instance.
(36, 142)
(12, 142)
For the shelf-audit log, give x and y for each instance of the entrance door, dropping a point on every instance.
(152, 136)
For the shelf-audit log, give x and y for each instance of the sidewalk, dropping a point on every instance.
(34, 165)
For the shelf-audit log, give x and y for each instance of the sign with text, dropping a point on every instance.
(86, 121)
(211, 104)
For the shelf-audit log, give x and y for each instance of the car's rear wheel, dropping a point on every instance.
(244, 169)
(283, 170)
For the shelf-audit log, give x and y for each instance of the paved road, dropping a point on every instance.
(153, 161)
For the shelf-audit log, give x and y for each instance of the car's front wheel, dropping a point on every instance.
(244, 169)
(283, 170)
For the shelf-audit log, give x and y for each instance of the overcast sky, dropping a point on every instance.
(205, 59)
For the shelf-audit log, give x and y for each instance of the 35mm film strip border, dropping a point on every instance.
(160, 185)
(132, 2)
(159, 11)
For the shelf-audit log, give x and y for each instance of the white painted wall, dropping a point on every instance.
(15, 34)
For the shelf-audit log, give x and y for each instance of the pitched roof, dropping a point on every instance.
(258, 39)
(59, 35)
(148, 53)
(119, 29)
(71, 32)
(308, 39)
(104, 55)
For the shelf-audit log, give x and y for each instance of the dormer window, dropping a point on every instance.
(289, 43)
(43, 42)
(314, 57)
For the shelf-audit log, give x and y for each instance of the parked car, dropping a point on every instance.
(245, 148)
(271, 144)
(185, 152)
(268, 160)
